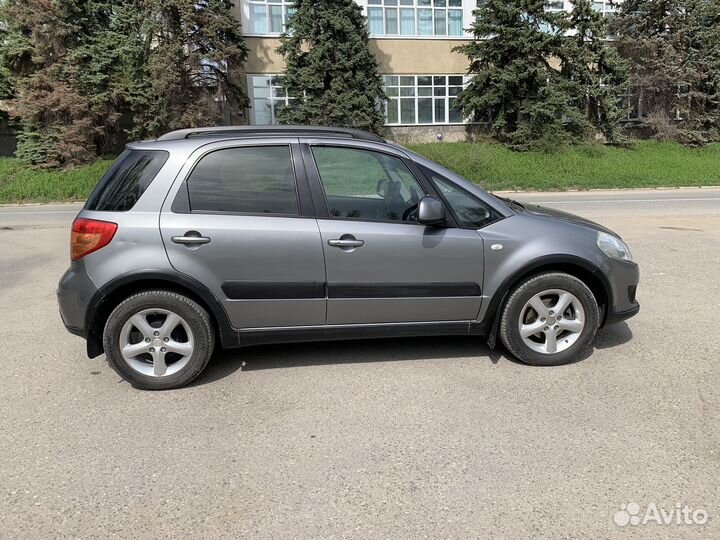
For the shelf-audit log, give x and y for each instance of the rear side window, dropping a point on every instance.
(126, 181)
(247, 180)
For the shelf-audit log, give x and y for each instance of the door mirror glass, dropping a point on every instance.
(431, 211)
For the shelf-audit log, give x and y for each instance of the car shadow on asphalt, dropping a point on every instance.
(292, 355)
(613, 336)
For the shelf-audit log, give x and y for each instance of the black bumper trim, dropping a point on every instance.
(74, 330)
(619, 316)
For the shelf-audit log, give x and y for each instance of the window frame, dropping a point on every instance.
(320, 196)
(446, 98)
(286, 100)
(181, 202)
(284, 5)
(415, 6)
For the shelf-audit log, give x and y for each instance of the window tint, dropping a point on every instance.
(362, 184)
(257, 180)
(126, 180)
(471, 212)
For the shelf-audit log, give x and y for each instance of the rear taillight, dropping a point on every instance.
(89, 235)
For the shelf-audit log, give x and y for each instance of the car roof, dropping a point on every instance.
(270, 131)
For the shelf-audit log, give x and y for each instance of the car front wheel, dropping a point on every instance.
(551, 319)
(158, 340)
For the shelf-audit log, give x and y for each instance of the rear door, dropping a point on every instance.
(382, 267)
(240, 220)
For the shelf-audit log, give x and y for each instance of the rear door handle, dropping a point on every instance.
(342, 243)
(191, 238)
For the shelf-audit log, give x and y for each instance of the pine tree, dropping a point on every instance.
(330, 69)
(673, 47)
(541, 78)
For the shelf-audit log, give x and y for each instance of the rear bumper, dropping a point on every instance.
(74, 292)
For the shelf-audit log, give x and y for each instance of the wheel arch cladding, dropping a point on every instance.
(114, 292)
(575, 266)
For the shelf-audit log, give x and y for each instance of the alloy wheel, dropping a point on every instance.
(156, 342)
(551, 321)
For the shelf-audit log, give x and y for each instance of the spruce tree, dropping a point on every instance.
(330, 69)
(541, 78)
(593, 64)
(515, 87)
(79, 77)
(194, 66)
(57, 124)
(673, 47)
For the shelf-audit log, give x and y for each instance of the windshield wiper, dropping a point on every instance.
(512, 203)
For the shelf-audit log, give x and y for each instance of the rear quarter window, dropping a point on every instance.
(126, 181)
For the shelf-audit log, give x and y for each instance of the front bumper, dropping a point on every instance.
(623, 277)
(614, 317)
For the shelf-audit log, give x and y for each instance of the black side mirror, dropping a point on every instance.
(431, 211)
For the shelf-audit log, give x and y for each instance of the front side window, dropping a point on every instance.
(423, 99)
(255, 180)
(362, 184)
(270, 16)
(415, 17)
(470, 211)
(126, 180)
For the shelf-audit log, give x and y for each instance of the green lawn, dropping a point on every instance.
(648, 164)
(19, 183)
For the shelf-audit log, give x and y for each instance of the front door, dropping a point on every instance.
(381, 266)
(241, 233)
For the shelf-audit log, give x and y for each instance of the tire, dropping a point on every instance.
(158, 340)
(561, 338)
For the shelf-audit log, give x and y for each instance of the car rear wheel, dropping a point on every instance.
(158, 340)
(550, 320)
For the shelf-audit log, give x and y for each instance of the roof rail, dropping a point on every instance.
(258, 131)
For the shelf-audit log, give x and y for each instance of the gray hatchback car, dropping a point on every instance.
(241, 236)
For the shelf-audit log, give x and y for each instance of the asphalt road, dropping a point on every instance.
(419, 438)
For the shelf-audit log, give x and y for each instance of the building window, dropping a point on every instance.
(269, 97)
(552, 6)
(422, 99)
(270, 16)
(606, 7)
(609, 10)
(415, 17)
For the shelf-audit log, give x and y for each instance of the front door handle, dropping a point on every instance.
(191, 238)
(346, 243)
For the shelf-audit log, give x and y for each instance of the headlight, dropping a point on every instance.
(613, 247)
